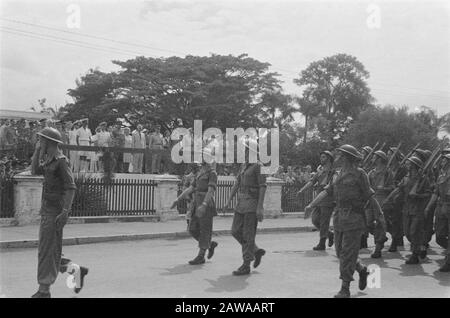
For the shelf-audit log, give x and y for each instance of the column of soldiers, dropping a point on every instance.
(378, 193)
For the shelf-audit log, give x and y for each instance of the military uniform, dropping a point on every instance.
(200, 226)
(245, 221)
(442, 221)
(393, 209)
(413, 213)
(57, 179)
(381, 182)
(351, 191)
(322, 213)
(57, 196)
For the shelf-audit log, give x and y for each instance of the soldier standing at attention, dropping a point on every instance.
(413, 208)
(203, 210)
(351, 191)
(381, 181)
(442, 223)
(251, 188)
(57, 196)
(322, 214)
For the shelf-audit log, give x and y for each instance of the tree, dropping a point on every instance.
(337, 86)
(276, 109)
(309, 108)
(391, 125)
(223, 91)
(56, 111)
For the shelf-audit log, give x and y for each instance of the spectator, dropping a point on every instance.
(127, 157)
(84, 136)
(138, 142)
(155, 143)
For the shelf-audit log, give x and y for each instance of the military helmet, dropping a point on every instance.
(415, 160)
(421, 154)
(400, 155)
(446, 151)
(329, 154)
(349, 149)
(367, 149)
(447, 156)
(51, 134)
(381, 154)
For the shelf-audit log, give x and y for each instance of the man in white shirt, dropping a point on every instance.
(84, 139)
(138, 142)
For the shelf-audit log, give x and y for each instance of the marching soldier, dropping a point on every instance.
(393, 209)
(57, 196)
(322, 214)
(380, 180)
(351, 191)
(365, 151)
(441, 195)
(413, 209)
(251, 187)
(203, 209)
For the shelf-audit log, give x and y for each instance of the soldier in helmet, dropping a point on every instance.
(251, 188)
(415, 201)
(322, 214)
(351, 191)
(57, 196)
(393, 209)
(203, 208)
(381, 181)
(366, 150)
(441, 195)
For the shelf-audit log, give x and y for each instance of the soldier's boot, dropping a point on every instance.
(321, 245)
(199, 259)
(413, 259)
(378, 248)
(43, 292)
(243, 270)
(83, 272)
(362, 283)
(211, 249)
(330, 239)
(258, 256)
(393, 247)
(363, 242)
(40, 294)
(344, 292)
(377, 252)
(445, 268)
(423, 253)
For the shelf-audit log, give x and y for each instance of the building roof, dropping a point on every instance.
(19, 114)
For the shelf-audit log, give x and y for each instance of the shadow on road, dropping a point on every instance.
(227, 283)
(181, 269)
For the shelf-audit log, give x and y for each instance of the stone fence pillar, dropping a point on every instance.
(165, 193)
(27, 198)
(272, 200)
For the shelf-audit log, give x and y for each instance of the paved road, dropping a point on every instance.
(157, 268)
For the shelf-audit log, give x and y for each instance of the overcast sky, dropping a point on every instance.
(406, 53)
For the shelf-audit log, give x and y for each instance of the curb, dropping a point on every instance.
(136, 237)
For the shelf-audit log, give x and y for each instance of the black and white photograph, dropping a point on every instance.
(224, 155)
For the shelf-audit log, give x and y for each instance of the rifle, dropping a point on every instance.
(410, 153)
(369, 161)
(394, 155)
(369, 155)
(424, 171)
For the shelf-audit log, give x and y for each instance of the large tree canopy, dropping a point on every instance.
(392, 125)
(337, 87)
(223, 91)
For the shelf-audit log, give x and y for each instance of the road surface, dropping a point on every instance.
(158, 268)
